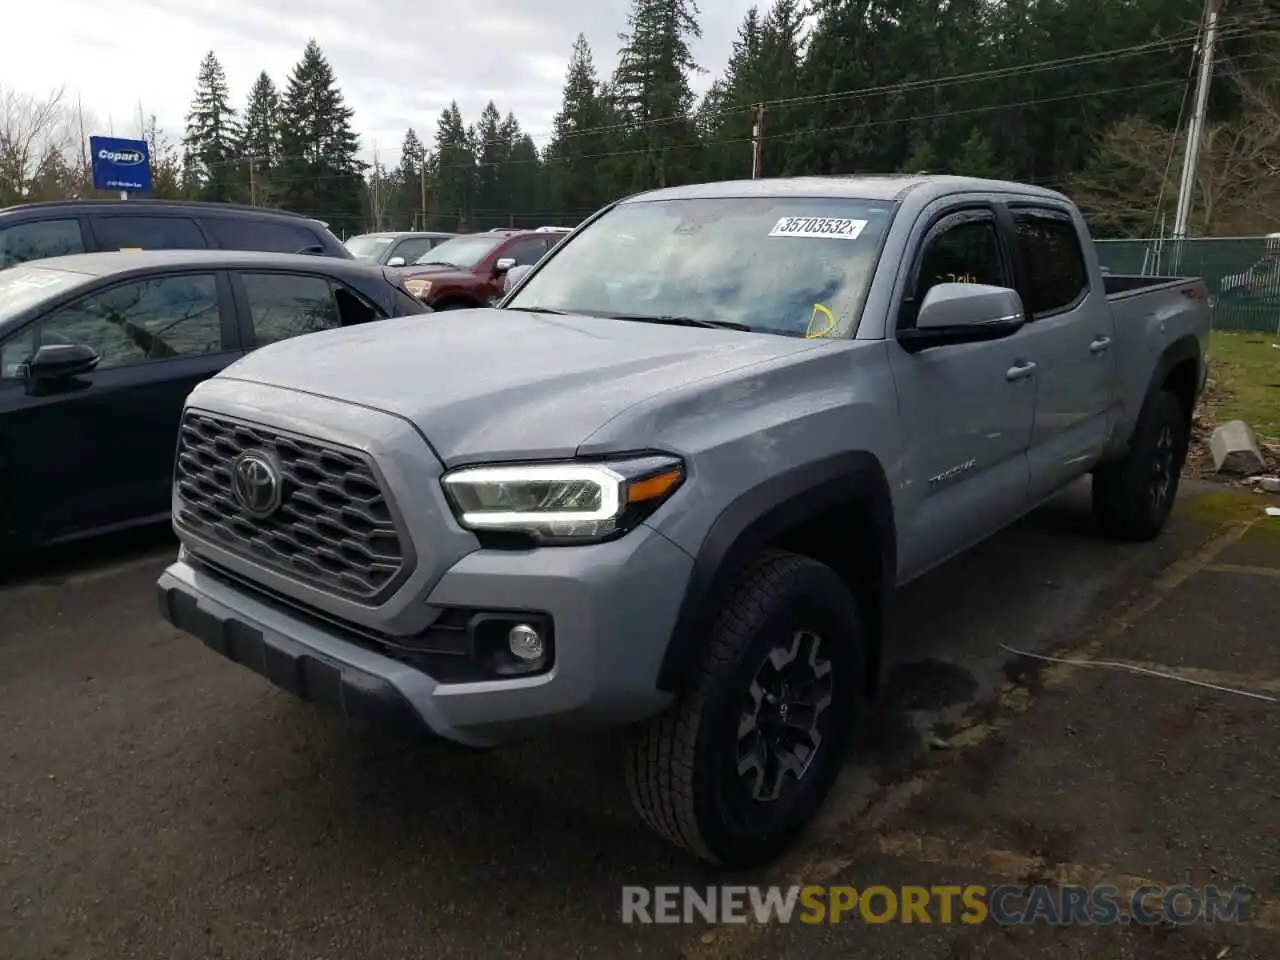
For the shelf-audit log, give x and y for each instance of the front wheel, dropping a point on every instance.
(1133, 497)
(742, 761)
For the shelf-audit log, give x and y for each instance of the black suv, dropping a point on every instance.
(34, 231)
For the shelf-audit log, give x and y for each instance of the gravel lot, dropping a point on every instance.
(157, 801)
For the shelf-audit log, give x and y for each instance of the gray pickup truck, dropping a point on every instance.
(668, 483)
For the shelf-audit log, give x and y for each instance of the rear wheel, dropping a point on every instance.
(743, 760)
(1133, 497)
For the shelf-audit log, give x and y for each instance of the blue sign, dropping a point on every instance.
(120, 164)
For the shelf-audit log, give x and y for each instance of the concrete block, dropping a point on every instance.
(1235, 449)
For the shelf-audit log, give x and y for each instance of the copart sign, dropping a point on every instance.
(120, 164)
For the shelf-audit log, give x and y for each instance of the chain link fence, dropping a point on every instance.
(1242, 273)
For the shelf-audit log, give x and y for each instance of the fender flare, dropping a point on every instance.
(759, 516)
(1185, 348)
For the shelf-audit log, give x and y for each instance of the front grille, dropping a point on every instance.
(333, 529)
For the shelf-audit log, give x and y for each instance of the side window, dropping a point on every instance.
(527, 252)
(962, 249)
(231, 233)
(286, 305)
(163, 318)
(412, 248)
(1050, 247)
(353, 307)
(147, 233)
(39, 239)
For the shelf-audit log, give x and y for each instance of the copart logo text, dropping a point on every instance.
(122, 157)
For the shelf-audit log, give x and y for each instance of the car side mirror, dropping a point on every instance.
(59, 361)
(514, 276)
(396, 262)
(964, 313)
(504, 264)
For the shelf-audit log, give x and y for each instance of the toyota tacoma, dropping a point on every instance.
(669, 481)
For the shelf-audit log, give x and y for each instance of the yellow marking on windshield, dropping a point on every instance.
(829, 322)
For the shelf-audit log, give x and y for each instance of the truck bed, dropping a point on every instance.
(1119, 285)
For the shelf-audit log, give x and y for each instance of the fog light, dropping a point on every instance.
(525, 643)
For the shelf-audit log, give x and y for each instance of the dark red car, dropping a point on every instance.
(467, 271)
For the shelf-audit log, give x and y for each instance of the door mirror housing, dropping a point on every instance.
(514, 276)
(396, 262)
(59, 361)
(504, 264)
(964, 313)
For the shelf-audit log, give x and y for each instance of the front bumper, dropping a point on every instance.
(613, 606)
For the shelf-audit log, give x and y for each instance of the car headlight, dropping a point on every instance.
(562, 503)
(419, 288)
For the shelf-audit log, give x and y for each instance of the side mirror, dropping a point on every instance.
(396, 262)
(964, 313)
(514, 276)
(58, 361)
(504, 264)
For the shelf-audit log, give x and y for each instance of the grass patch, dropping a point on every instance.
(1245, 368)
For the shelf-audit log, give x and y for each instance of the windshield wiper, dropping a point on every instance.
(436, 263)
(558, 313)
(681, 321)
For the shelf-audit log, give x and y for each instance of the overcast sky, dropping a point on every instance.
(398, 64)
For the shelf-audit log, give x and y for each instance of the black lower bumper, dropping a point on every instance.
(362, 698)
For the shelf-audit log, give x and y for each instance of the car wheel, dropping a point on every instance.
(744, 758)
(1133, 497)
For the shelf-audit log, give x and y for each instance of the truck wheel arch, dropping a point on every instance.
(1179, 370)
(843, 495)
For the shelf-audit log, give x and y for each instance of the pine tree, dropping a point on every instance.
(211, 133)
(455, 170)
(409, 205)
(652, 87)
(260, 139)
(491, 154)
(320, 174)
(583, 131)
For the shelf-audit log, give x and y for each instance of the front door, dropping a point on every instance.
(966, 410)
(97, 450)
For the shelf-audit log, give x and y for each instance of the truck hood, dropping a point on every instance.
(503, 384)
(436, 273)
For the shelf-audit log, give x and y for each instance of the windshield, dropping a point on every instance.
(368, 248)
(794, 266)
(464, 252)
(20, 287)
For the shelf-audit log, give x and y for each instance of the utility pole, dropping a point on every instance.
(422, 184)
(1195, 129)
(757, 144)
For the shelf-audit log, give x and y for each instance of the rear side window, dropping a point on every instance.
(247, 234)
(287, 305)
(39, 239)
(147, 233)
(1050, 247)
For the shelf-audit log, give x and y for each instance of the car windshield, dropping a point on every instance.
(793, 266)
(368, 248)
(464, 252)
(20, 287)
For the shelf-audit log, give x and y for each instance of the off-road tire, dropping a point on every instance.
(681, 766)
(1128, 500)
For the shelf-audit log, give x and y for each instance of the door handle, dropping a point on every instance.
(1100, 345)
(1021, 371)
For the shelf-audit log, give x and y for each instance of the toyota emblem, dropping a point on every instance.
(255, 483)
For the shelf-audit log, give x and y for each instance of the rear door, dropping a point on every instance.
(97, 450)
(280, 305)
(1069, 336)
(123, 231)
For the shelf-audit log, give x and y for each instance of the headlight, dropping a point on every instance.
(562, 503)
(419, 288)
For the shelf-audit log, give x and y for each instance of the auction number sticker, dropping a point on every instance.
(819, 228)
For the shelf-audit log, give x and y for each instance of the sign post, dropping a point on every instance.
(123, 165)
